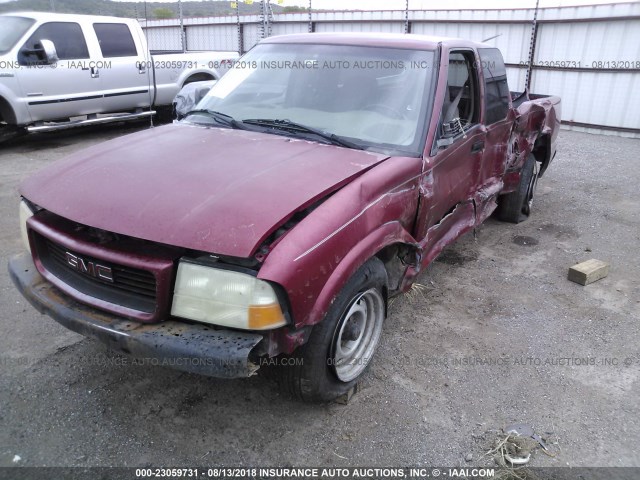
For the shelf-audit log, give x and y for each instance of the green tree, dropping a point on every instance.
(163, 13)
(293, 9)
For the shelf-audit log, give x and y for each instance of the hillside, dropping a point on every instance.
(134, 9)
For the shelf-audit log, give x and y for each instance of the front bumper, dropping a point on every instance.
(192, 348)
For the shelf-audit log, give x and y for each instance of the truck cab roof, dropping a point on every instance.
(66, 17)
(390, 40)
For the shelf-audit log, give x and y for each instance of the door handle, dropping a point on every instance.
(477, 146)
(95, 73)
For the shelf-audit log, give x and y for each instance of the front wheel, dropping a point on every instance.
(515, 207)
(340, 346)
(9, 132)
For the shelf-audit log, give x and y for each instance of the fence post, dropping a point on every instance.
(407, 27)
(532, 46)
(239, 28)
(264, 18)
(183, 38)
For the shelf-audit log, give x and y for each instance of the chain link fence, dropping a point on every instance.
(220, 25)
(538, 45)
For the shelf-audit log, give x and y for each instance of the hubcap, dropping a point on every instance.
(357, 335)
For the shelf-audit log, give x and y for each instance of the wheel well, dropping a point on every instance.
(396, 258)
(198, 77)
(6, 112)
(542, 151)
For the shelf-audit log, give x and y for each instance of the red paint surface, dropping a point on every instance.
(210, 189)
(225, 191)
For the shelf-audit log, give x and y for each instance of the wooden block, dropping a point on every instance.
(588, 272)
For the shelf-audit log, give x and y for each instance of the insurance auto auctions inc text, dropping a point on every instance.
(348, 473)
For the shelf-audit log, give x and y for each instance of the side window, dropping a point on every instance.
(115, 40)
(497, 94)
(461, 108)
(67, 38)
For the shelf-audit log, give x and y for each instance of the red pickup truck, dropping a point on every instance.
(274, 222)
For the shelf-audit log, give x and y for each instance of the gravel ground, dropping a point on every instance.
(482, 343)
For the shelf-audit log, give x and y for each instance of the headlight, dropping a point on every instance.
(226, 298)
(25, 214)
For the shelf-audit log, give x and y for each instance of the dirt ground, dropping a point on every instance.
(495, 335)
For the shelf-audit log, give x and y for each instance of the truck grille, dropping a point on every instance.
(131, 288)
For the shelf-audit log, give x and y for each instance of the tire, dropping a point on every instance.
(320, 371)
(8, 132)
(165, 114)
(515, 207)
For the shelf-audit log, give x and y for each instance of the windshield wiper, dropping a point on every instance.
(221, 118)
(293, 127)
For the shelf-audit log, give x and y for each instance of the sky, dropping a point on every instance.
(425, 4)
(418, 4)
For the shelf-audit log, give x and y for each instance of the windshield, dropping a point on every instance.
(11, 30)
(370, 97)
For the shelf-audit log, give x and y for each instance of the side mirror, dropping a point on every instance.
(44, 52)
(49, 51)
(444, 142)
(449, 132)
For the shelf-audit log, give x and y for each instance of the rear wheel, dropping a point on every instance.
(515, 207)
(341, 346)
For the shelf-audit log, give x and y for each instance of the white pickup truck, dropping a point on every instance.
(60, 71)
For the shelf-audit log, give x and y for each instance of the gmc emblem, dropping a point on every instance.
(89, 268)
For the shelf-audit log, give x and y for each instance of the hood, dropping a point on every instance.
(209, 189)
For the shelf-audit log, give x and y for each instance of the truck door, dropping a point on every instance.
(125, 72)
(497, 105)
(65, 88)
(453, 164)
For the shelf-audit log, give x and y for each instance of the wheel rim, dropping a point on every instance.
(357, 335)
(531, 189)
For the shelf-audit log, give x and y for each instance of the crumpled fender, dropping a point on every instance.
(314, 260)
(386, 235)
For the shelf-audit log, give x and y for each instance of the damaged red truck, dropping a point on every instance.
(313, 182)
